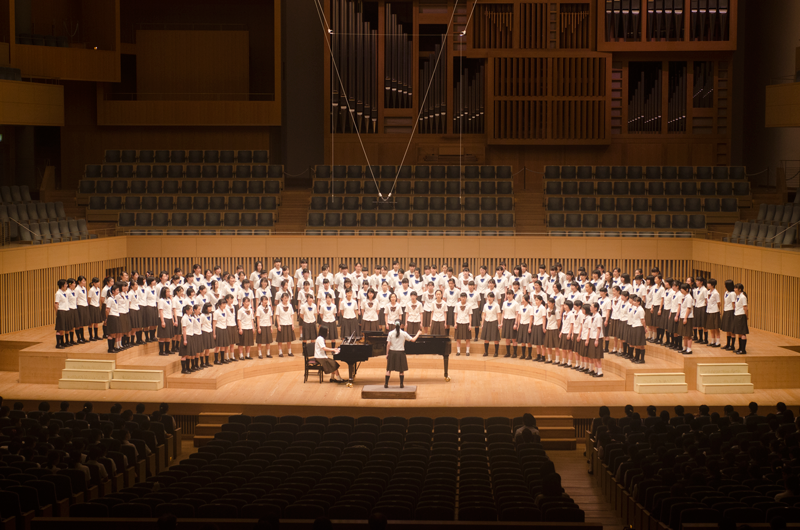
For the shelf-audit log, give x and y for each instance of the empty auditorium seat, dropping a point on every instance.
(114, 203)
(672, 188)
(736, 173)
(176, 172)
(235, 203)
(623, 204)
(221, 186)
(97, 202)
(125, 219)
(658, 204)
(584, 172)
(436, 219)
(606, 204)
(568, 172)
(572, 204)
(662, 221)
(688, 188)
(588, 204)
(453, 203)
(693, 204)
(680, 221)
(112, 156)
(488, 220)
(453, 220)
(453, 172)
(602, 172)
(453, 187)
(552, 172)
(555, 204)
(573, 220)
(553, 187)
(437, 187)
(421, 187)
(618, 172)
(400, 220)
(472, 187)
(335, 203)
(86, 186)
(604, 188)
(590, 220)
(132, 203)
(653, 173)
(555, 220)
(609, 220)
(626, 220)
(640, 204)
(697, 222)
(634, 172)
(368, 203)
(352, 187)
(741, 188)
(686, 172)
(505, 203)
(643, 221)
(351, 203)
(148, 203)
(637, 188)
(676, 205)
(669, 173)
(165, 203)
(422, 172)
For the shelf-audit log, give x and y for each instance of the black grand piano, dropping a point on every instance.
(373, 344)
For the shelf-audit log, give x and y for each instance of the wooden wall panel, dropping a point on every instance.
(192, 62)
(189, 113)
(74, 64)
(25, 103)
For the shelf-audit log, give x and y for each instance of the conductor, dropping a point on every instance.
(396, 352)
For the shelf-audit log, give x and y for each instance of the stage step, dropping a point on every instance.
(99, 375)
(89, 364)
(726, 388)
(200, 441)
(559, 444)
(210, 424)
(664, 383)
(206, 430)
(139, 375)
(133, 384)
(722, 368)
(215, 418)
(723, 378)
(547, 433)
(83, 384)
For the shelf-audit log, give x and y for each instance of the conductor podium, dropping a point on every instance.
(374, 345)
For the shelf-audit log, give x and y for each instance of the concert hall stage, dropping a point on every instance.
(31, 368)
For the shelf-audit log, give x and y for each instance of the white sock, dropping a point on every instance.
(599, 371)
(569, 363)
(467, 349)
(280, 351)
(458, 349)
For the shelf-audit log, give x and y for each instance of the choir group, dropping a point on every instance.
(571, 320)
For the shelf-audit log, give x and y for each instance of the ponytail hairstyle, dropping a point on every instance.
(187, 309)
(626, 278)
(741, 288)
(686, 287)
(599, 309)
(551, 310)
(729, 285)
(568, 303)
(557, 287)
(650, 280)
(397, 328)
(539, 297)
(527, 298)
(587, 309)
(206, 308)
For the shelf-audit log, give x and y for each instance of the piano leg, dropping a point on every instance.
(352, 369)
(446, 358)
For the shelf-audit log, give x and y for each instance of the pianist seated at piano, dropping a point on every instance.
(329, 366)
(396, 352)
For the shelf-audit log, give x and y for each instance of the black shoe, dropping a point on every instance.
(548, 362)
(740, 352)
(467, 354)
(506, 356)
(458, 354)
(486, 354)
(686, 352)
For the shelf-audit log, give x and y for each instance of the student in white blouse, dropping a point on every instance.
(329, 366)
(396, 353)
(740, 317)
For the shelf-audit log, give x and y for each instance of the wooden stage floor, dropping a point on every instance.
(479, 385)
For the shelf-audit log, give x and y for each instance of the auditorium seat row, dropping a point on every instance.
(779, 213)
(485, 232)
(55, 231)
(763, 234)
(622, 187)
(416, 187)
(185, 187)
(416, 204)
(649, 172)
(194, 219)
(181, 156)
(416, 220)
(15, 194)
(167, 202)
(647, 234)
(641, 204)
(31, 212)
(639, 221)
(177, 171)
(416, 172)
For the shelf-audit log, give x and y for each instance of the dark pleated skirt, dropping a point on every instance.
(740, 326)
(648, 318)
(727, 321)
(396, 361)
(309, 331)
(490, 332)
(462, 332)
(152, 317)
(426, 319)
(265, 337)
(637, 337)
(124, 323)
(674, 327)
(223, 338)
(660, 321)
(382, 318)
(612, 327)
(451, 316)
(437, 328)
(552, 339)
(332, 330)
(412, 328)
(350, 327)
(565, 342)
(62, 321)
(246, 338)
(537, 336)
(285, 334)
(595, 352)
(135, 318)
(476, 317)
(112, 325)
(523, 335)
(700, 317)
(686, 330)
(84, 316)
(712, 321)
(166, 332)
(367, 325)
(328, 365)
(233, 334)
(508, 329)
(208, 342)
(98, 314)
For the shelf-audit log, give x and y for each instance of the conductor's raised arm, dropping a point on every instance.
(412, 339)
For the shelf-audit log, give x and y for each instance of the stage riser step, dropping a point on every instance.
(89, 364)
(130, 384)
(215, 418)
(716, 379)
(730, 388)
(139, 375)
(82, 384)
(100, 375)
(555, 432)
(662, 388)
(665, 378)
(554, 421)
(206, 430)
(565, 444)
(201, 440)
(722, 368)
